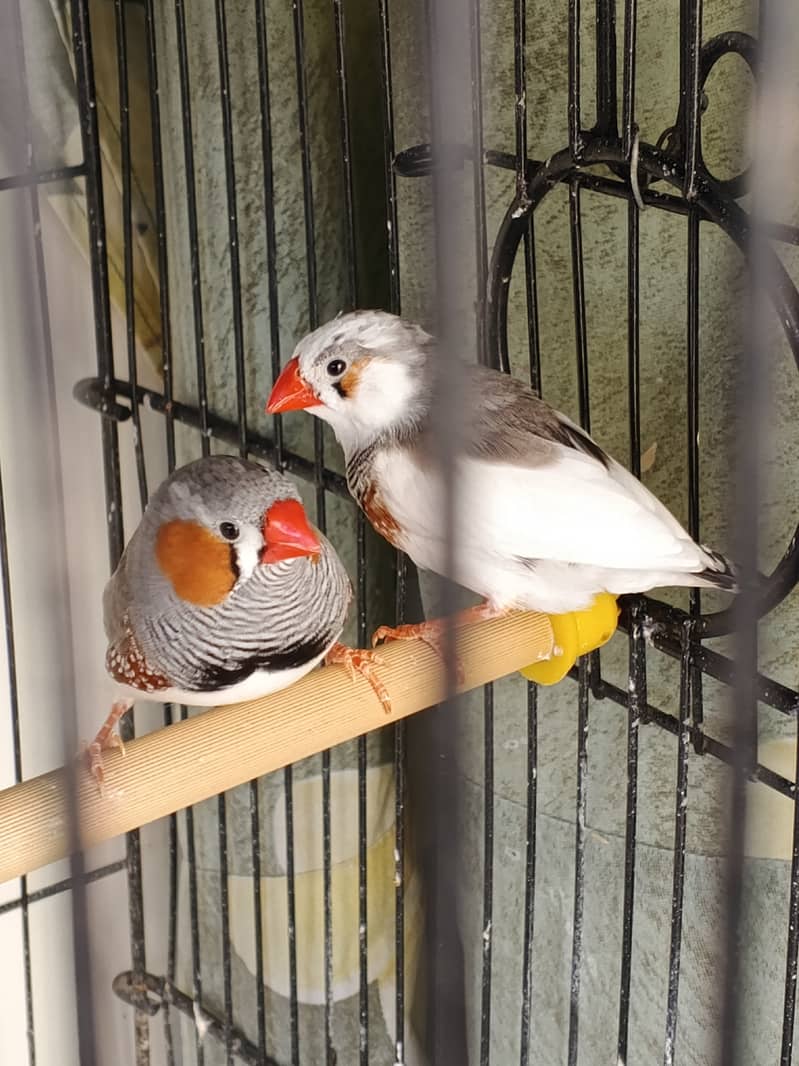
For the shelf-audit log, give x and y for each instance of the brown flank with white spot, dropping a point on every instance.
(381, 519)
(126, 663)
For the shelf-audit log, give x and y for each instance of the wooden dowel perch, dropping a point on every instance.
(191, 760)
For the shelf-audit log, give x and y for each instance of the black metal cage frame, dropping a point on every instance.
(676, 161)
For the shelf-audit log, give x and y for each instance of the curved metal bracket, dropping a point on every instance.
(671, 140)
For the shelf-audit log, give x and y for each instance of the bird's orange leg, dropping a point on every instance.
(358, 661)
(106, 738)
(433, 631)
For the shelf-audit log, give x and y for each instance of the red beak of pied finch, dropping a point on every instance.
(287, 533)
(291, 392)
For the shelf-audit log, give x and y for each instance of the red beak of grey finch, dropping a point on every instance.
(287, 533)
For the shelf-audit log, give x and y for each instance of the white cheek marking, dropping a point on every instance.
(384, 394)
(248, 551)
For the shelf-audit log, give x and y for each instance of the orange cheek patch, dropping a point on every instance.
(349, 381)
(196, 562)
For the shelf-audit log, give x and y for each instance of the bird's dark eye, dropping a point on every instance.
(229, 530)
(336, 367)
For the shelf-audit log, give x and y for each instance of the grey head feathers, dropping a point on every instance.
(277, 617)
(361, 333)
(371, 372)
(506, 420)
(208, 491)
(216, 488)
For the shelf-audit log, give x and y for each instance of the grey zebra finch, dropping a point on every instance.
(224, 593)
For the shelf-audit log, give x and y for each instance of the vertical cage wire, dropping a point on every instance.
(579, 863)
(629, 128)
(318, 448)
(205, 446)
(169, 444)
(160, 222)
(138, 960)
(262, 43)
(575, 138)
(606, 81)
(636, 687)
(127, 235)
(692, 336)
(792, 947)
(481, 259)
(194, 244)
(690, 42)
(534, 358)
(361, 609)
(584, 677)
(301, 75)
(680, 827)
(637, 647)
(87, 108)
(451, 72)
(241, 419)
(392, 229)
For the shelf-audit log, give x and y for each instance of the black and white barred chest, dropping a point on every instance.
(288, 614)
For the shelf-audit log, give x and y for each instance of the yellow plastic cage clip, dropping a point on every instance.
(575, 634)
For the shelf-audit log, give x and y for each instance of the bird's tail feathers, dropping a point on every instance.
(721, 573)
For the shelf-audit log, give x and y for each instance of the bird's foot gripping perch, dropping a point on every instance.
(433, 632)
(106, 738)
(359, 661)
(575, 634)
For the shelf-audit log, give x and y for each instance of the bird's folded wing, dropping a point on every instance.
(571, 508)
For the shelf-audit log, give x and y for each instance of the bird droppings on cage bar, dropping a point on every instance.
(577, 215)
(201, 1022)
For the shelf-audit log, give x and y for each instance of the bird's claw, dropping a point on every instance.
(359, 661)
(430, 633)
(93, 753)
(107, 739)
